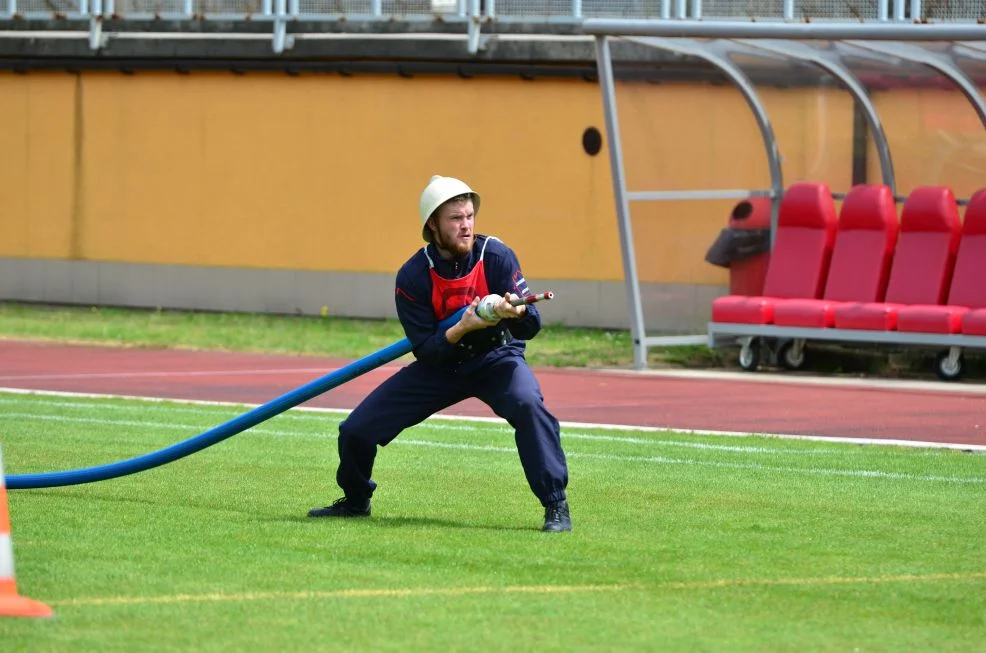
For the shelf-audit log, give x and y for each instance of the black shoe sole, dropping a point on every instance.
(319, 513)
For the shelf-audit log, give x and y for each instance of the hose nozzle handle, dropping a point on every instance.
(533, 299)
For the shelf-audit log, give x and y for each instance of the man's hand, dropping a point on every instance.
(469, 321)
(505, 310)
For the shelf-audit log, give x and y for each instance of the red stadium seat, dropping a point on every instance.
(798, 261)
(974, 322)
(922, 265)
(860, 267)
(968, 289)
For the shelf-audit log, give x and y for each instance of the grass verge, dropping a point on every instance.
(556, 346)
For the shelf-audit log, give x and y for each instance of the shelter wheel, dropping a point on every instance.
(749, 356)
(791, 354)
(950, 364)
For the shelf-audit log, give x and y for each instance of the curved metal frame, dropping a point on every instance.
(749, 91)
(606, 81)
(830, 64)
(676, 37)
(975, 51)
(942, 64)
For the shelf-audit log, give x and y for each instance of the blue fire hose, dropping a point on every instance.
(223, 431)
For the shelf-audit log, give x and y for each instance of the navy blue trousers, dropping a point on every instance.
(507, 385)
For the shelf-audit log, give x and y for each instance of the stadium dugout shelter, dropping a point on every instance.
(825, 266)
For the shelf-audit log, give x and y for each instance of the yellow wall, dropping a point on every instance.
(37, 167)
(324, 172)
(935, 138)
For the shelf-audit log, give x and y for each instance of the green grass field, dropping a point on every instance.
(681, 543)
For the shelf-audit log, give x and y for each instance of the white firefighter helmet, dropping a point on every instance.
(438, 191)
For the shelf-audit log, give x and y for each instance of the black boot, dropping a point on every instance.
(343, 508)
(556, 517)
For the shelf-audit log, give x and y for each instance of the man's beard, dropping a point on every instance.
(454, 246)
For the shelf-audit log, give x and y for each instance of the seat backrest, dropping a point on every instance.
(969, 278)
(803, 242)
(864, 245)
(925, 256)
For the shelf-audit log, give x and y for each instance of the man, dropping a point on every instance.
(472, 358)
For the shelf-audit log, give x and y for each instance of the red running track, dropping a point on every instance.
(788, 406)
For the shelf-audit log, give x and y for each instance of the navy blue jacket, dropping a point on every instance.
(414, 308)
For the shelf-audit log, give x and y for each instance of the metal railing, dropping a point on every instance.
(516, 10)
(471, 14)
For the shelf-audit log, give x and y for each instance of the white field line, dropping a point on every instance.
(141, 424)
(840, 382)
(859, 473)
(440, 427)
(320, 371)
(496, 420)
(309, 417)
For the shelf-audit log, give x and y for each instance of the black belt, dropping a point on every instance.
(484, 344)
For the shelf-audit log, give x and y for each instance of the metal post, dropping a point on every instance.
(474, 27)
(788, 9)
(280, 27)
(189, 8)
(376, 7)
(899, 10)
(576, 8)
(95, 25)
(490, 8)
(681, 9)
(608, 86)
(916, 10)
(665, 9)
(697, 9)
(883, 10)
(266, 7)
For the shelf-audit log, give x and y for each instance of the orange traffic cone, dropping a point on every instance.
(11, 603)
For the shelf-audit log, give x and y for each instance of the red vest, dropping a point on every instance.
(449, 295)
